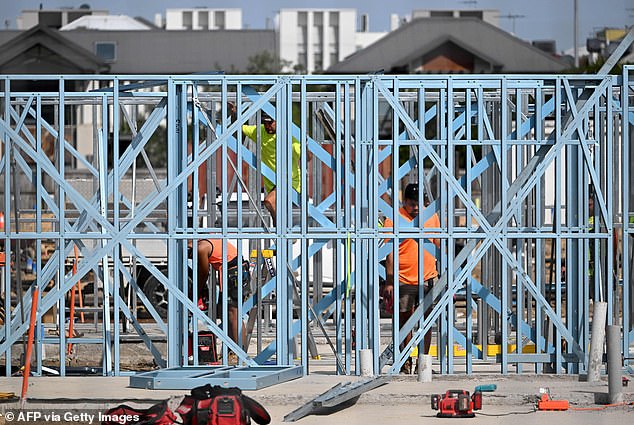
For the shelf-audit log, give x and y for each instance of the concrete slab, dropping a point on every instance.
(403, 400)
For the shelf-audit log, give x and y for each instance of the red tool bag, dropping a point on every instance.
(216, 405)
(159, 414)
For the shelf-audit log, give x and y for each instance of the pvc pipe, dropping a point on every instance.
(615, 386)
(424, 368)
(596, 342)
(366, 359)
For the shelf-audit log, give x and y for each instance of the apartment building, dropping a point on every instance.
(54, 18)
(203, 19)
(312, 40)
(490, 16)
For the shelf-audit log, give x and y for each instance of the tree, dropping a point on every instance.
(266, 63)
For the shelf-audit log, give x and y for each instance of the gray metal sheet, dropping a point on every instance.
(245, 378)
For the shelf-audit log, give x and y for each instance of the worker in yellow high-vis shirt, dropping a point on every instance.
(268, 143)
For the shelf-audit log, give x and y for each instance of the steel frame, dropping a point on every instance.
(508, 162)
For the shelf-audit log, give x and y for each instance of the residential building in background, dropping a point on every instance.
(490, 16)
(604, 41)
(449, 45)
(106, 23)
(54, 18)
(312, 40)
(203, 19)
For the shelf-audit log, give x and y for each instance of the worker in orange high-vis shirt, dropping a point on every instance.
(408, 272)
(210, 254)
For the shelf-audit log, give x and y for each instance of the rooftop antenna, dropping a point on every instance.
(512, 17)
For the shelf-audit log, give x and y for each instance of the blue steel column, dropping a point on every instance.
(450, 245)
(104, 193)
(304, 300)
(627, 120)
(506, 280)
(572, 221)
(38, 228)
(522, 220)
(608, 193)
(539, 242)
(174, 220)
(61, 200)
(468, 293)
(7, 225)
(116, 254)
(441, 186)
(555, 334)
(284, 296)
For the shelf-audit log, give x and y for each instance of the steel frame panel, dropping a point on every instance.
(533, 135)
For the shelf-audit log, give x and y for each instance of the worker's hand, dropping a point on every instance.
(231, 108)
(388, 291)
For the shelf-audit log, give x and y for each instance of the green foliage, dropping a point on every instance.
(266, 62)
(593, 68)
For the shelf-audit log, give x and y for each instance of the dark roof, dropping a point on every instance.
(490, 44)
(42, 50)
(443, 39)
(178, 52)
(153, 51)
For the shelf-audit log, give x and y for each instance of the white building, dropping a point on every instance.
(203, 19)
(54, 18)
(490, 16)
(314, 39)
(106, 23)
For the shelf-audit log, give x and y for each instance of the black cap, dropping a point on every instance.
(411, 192)
(266, 118)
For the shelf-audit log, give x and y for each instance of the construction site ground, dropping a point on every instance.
(403, 400)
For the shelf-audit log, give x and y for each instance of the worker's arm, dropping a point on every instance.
(389, 275)
(204, 250)
(436, 223)
(249, 131)
(297, 151)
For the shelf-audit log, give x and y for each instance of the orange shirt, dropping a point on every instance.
(215, 259)
(408, 254)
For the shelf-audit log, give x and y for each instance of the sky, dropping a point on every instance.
(535, 19)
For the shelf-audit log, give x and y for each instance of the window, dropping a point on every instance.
(106, 50)
(302, 19)
(441, 14)
(219, 18)
(302, 60)
(334, 57)
(187, 20)
(203, 20)
(318, 62)
(471, 14)
(334, 19)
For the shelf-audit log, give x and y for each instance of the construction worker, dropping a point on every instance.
(210, 254)
(408, 271)
(268, 143)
